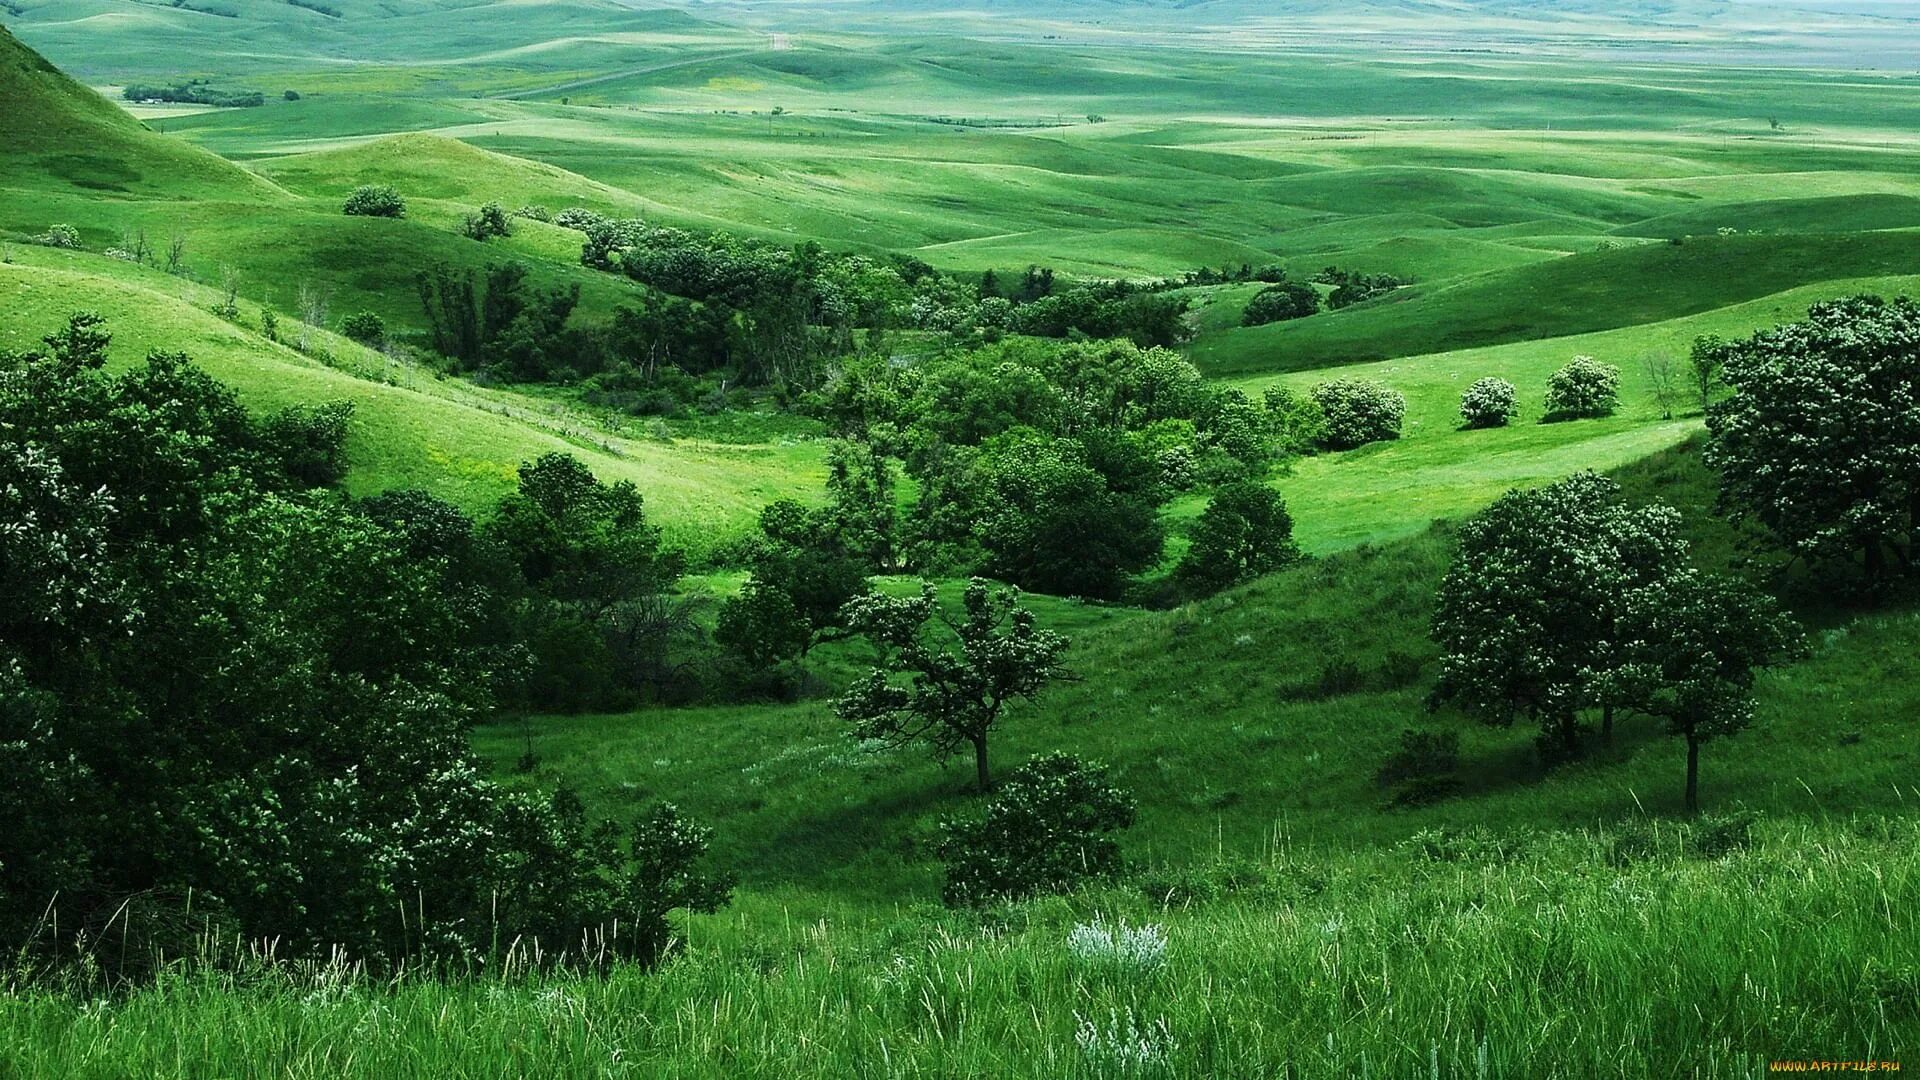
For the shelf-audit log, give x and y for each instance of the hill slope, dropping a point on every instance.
(62, 136)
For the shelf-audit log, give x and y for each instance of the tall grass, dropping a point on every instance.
(1623, 954)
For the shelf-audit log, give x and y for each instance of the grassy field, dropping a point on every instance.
(1611, 196)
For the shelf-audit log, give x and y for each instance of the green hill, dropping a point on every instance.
(63, 137)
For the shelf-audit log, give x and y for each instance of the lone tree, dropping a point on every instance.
(1526, 616)
(1690, 646)
(1820, 439)
(1584, 389)
(1488, 403)
(803, 577)
(1245, 532)
(947, 693)
(1358, 412)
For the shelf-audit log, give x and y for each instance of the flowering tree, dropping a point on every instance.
(1820, 439)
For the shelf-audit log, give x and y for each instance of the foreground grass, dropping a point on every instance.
(1554, 955)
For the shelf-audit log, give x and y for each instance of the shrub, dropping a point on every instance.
(1047, 831)
(1489, 403)
(1584, 388)
(1280, 303)
(486, 223)
(579, 218)
(1358, 412)
(59, 236)
(365, 328)
(1422, 767)
(534, 212)
(1129, 950)
(375, 200)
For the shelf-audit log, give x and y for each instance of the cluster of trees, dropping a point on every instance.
(1351, 287)
(196, 92)
(233, 701)
(374, 200)
(1564, 601)
(1046, 464)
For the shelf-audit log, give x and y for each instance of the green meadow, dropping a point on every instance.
(1619, 193)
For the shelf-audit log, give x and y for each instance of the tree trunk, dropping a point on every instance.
(1693, 773)
(980, 774)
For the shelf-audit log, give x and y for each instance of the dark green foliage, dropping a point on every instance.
(1352, 287)
(309, 442)
(1048, 830)
(375, 200)
(1244, 532)
(1048, 519)
(1528, 615)
(1355, 412)
(1280, 303)
(366, 328)
(1585, 388)
(588, 557)
(961, 671)
(1820, 439)
(503, 327)
(196, 92)
(489, 221)
(231, 707)
(1422, 768)
(804, 574)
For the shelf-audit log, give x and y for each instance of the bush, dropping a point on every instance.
(365, 328)
(1280, 303)
(1357, 412)
(1584, 388)
(59, 236)
(375, 200)
(534, 212)
(1489, 403)
(486, 223)
(579, 218)
(1047, 831)
(1422, 767)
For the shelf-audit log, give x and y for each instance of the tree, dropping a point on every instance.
(375, 200)
(1585, 388)
(1658, 369)
(1049, 520)
(804, 575)
(1244, 532)
(1690, 646)
(1489, 403)
(1706, 368)
(1526, 616)
(588, 554)
(1357, 412)
(1281, 302)
(959, 672)
(1049, 829)
(1820, 439)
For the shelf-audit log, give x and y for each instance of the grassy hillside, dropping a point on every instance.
(63, 137)
(410, 429)
(1215, 716)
